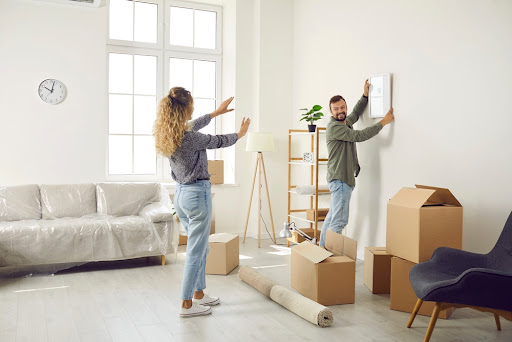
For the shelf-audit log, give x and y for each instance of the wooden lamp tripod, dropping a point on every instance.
(259, 142)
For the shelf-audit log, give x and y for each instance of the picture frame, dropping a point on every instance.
(380, 95)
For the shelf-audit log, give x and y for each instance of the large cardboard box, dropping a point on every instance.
(322, 213)
(325, 276)
(421, 219)
(377, 269)
(308, 231)
(216, 171)
(402, 296)
(223, 256)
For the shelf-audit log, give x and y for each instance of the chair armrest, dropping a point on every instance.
(456, 261)
(156, 212)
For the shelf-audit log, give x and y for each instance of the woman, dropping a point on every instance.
(179, 140)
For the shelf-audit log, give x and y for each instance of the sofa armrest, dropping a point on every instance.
(156, 212)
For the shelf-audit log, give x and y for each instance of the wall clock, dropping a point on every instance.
(52, 91)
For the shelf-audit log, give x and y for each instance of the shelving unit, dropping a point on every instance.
(300, 214)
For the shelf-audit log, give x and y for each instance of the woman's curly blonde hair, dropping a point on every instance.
(171, 120)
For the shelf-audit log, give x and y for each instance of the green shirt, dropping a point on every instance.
(341, 145)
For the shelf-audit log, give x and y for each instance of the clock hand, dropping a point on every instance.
(53, 85)
(47, 89)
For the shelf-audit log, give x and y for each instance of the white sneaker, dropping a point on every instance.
(207, 300)
(195, 310)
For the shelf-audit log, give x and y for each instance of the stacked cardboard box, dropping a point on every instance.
(377, 269)
(322, 213)
(326, 276)
(419, 220)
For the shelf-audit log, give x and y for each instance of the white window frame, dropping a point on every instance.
(163, 50)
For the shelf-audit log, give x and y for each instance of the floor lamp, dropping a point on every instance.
(259, 142)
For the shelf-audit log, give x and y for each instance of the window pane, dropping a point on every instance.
(144, 156)
(180, 73)
(202, 107)
(120, 155)
(145, 22)
(205, 29)
(120, 75)
(204, 79)
(145, 114)
(120, 114)
(121, 19)
(181, 26)
(144, 75)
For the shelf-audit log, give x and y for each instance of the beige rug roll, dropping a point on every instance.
(301, 306)
(256, 280)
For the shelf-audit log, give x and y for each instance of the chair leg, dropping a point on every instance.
(432, 323)
(497, 319)
(414, 312)
(163, 260)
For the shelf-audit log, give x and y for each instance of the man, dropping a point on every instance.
(343, 166)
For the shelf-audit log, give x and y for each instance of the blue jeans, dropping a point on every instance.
(193, 204)
(337, 217)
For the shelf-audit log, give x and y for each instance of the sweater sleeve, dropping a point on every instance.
(357, 111)
(207, 141)
(343, 132)
(200, 122)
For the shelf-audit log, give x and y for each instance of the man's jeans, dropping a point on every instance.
(193, 204)
(337, 217)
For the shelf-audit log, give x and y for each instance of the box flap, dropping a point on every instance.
(411, 197)
(441, 195)
(312, 252)
(222, 237)
(334, 241)
(350, 248)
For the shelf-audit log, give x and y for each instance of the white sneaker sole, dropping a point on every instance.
(202, 313)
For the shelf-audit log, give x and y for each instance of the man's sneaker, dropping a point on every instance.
(207, 300)
(195, 310)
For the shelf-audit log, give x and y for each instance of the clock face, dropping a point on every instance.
(52, 91)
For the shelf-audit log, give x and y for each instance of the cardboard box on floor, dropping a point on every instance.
(377, 269)
(224, 253)
(421, 219)
(325, 276)
(216, 171)
(402, 296)
(322, 213)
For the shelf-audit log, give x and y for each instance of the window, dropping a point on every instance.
(154, 45)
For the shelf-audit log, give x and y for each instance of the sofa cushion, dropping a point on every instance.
(125, 199)
(70, 200)
(22, 202)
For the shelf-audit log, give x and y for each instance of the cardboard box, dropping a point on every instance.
(402, 296)
(322, 213)
(325, 276)
(308, 231)
(223, 256)
(421, 219)
(377, 269)
(216, 171)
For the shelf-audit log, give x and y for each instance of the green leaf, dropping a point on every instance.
(302, 119)
(316, 108)
(303, 109)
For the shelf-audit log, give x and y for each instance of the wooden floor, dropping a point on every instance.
(138, 300)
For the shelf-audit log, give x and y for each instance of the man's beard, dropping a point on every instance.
(340, 117)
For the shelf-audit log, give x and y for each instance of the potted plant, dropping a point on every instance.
(311, 116)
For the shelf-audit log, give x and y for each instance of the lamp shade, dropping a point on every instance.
(260, 142)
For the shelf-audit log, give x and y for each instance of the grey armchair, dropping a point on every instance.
(455, 278)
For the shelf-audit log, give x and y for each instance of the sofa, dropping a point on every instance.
(75, 223)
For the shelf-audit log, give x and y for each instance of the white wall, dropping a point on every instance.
(451, 69)
(42, 143)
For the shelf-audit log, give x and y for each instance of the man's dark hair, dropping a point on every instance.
(334, 99)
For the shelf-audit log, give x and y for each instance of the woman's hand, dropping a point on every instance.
(244, 127)
(223, 108)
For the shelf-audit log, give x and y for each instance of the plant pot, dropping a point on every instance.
(312, 128)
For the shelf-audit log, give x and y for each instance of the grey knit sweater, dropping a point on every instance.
(189, 162)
